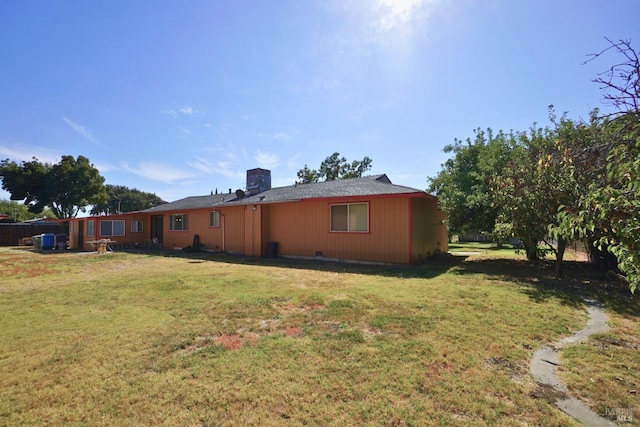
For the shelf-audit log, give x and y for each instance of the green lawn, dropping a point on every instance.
(137, 339)
(506, 251)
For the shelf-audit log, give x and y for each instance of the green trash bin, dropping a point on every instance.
(37, 242)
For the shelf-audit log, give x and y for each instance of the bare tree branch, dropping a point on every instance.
(621, 82)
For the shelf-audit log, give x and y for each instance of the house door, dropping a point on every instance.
(156, 229)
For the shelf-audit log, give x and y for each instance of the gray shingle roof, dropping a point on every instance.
(193, 202)
(377, 185)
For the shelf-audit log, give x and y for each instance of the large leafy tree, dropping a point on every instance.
(517, 194)
(462, 186)
(536, 184)
(334, 167)
(66, 187)
(27, 182)
(610, 208)
(514, 184)
(18, 212)
(124, 199)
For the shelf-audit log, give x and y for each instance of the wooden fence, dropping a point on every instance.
(12, 233)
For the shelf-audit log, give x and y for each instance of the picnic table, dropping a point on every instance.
(102, 245)
(25, 241)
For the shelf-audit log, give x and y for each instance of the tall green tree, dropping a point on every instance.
(517, 194)
(66, 187)
(607, 212)
(334, 167)
(26, 181)
(536, 184)
(18, 212)
(462, 186)
(124, 199)
(611, 205)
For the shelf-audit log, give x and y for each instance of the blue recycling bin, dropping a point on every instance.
(48, 241)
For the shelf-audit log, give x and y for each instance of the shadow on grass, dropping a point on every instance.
(535, 279)
(480, 247)
(432, 267)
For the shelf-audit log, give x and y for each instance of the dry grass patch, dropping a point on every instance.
(214, 340)
(604, 371)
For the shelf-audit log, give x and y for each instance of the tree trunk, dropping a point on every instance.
(531, 249)
(562, 245)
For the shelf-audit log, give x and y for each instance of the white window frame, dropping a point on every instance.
(112, 232)
(137, 226)
(214, 219)
(184, 221)
(91, 228)
(349, 218)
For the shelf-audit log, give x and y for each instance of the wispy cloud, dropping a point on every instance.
(230, 152)
(157, 171)
(184, 110)
(282, 136)
(185, 131)
(294, 162)
(22, 152)
(266, 160)
(201, 164)
(104, 167)
(216, 167)
(82, 131)
(286, 135)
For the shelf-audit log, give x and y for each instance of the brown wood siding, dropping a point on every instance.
(429, 234)
(210, 237)
(196, 221)
(234, 229)
(253, 233)
(228, 237)
(265, 227)
(129, 237)
(303, 229)
(401, 230)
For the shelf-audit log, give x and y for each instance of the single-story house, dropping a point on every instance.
(363, 219)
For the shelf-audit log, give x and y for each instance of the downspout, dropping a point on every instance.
(410, 203)
(222, 216)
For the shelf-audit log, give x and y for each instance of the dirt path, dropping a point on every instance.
(544, 362)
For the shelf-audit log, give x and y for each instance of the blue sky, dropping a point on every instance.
(180, 98)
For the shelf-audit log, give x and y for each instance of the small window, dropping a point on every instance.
(112, 228)
(91, 228)
(178, 222)
(214, 219)
(352, 217)
(136, 226)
